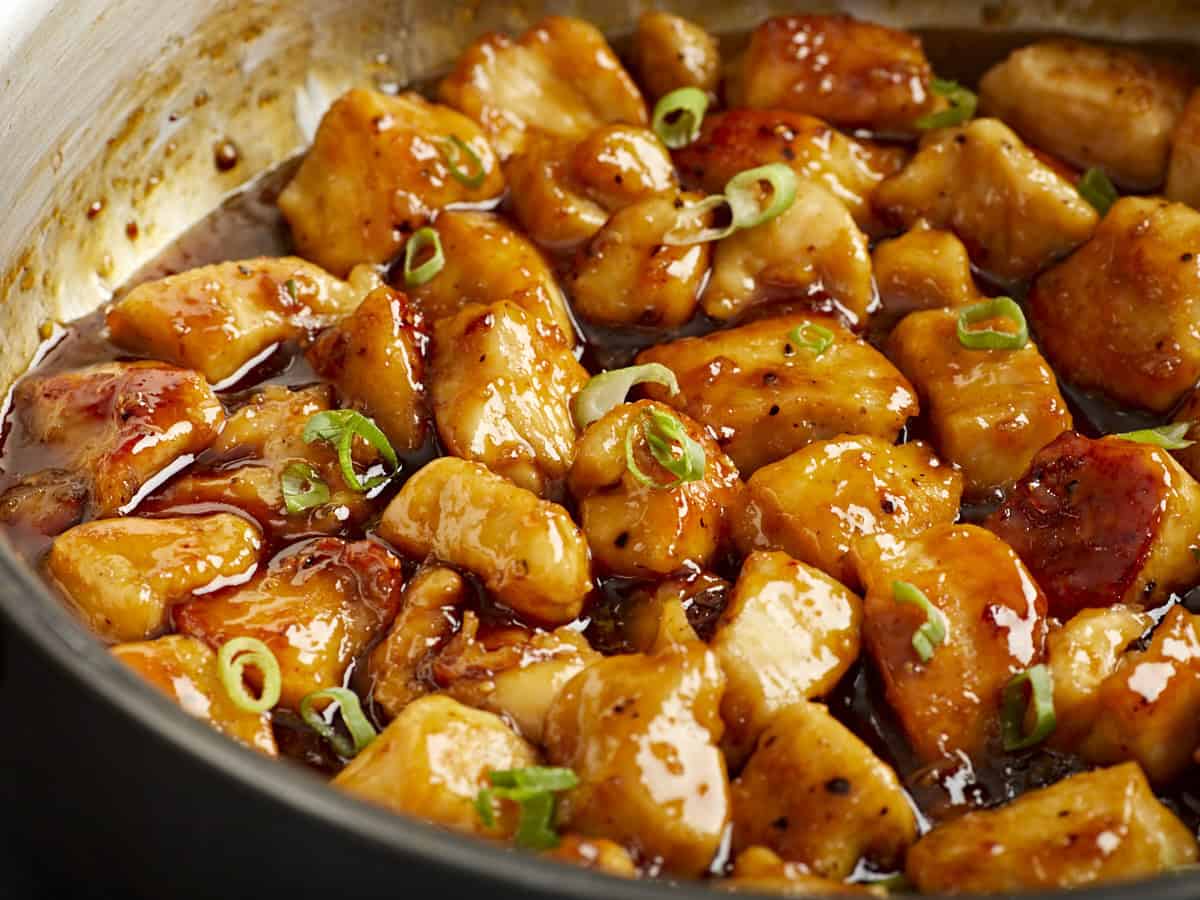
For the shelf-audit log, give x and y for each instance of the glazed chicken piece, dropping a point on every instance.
(1094, 106)
(1094, 827)
(1183, 171)
(1014, 213)
(218, 319)
(765, 395)
(643, 529)
(47, 502)
(559, 77)
(925, 268)
(758, 870)
(671, 52)
(640, 732)
(994, 617)
(1104, 522)
(597, 854)
(502, 381)
(379, 168)
(316, 606)
(1120, 315)
(185, 669)
(525, 550)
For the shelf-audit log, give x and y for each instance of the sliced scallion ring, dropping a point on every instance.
(1013, 713)
(339, 428)
(671, 447)
(454, 150)
(422, 239)
(933, 631)
(677, 116)
(813, 337)
(989, 338)
(302, 487)
(690, 225)
(232, 660)
(1097, 190)
(608, 390)
(963, 104)
(744, 193)
(362, 732)
(533, 789)
(1169, 437)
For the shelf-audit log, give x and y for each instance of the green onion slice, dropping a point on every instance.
(361, 730)
(607, 390)
(339, 428)
(744, 194)
(533, 789)
(302, 487)
(677, 116)
(811, 336)
(1097, 190)
(963, 104)
(989, 338)
(1169, 437)
(233, 658)
(454, 150)
(422, 239)
(1012, 715)
(933, 631)
(689, 225)
(671, 448)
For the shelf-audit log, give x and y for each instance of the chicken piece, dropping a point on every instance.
(432, 761)
(47, 502)
(788, 634)
(766, 396)
(1120, 315)
(1014, 213)
(1183, 171)
(671, 52)
(220, 319)
(185, 669)
(317, 606)
(120, 424)
(641, 529)
(559, 77)
(524, 549)
(640, 732)
(596, 854)
(925, 268)
(379, 168)
(758, 870)
(818, 502)
(1093, 827)
(989, 411)
(1094, 106)
(1104, 522)
(502, 380)
(1189, 412)
(995, 627)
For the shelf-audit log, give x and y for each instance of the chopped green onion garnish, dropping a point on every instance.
(677, 116)
(933, 631)
(811, 336)
(1097, 190)
(291, 288)
(689, 225)
(302, 487)
(989, 338)
(533, 789)
(339, 427)
(454, 149)
(963, 104)
(744, 194)
(361, 730)
(1169, 437)
(607, 390)
(422, 239)
(1012, 716)
(671, 447)
(233, 658)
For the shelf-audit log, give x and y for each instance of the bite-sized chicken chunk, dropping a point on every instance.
(640, 732)
(994, 619)
(1183, 171)
(432, 761)
(765, 395)
(788, 634)
(1094, 106)
(216, 319)
(758, 870)
(1120, 315)
(1093, 827)
(316, 606)
(379, 168)
(989, 411)
(925, 268)
(1014, 213)
(1104, 522)
(502, 380)
(185, 669)
(818, 502)
(639, 528)
(47, 502)
(526, 550)
(671, 52)
(559, 77)
(597, 854)
(815, 794)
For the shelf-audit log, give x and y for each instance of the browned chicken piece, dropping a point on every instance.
(1014, 213)
(1094, 106)
(185, 669)
(432, 761)
(994, 618)
(524, 549)
(317, 606)
(989, 411)
(1120, 315)
(379, 168)
(640, 732)
(218, 319)
(47, 502)
(671, 52)
(788, 634)
(662, 616)
(121, 425)
(1090, 828)
(758, 870)
(764, 395)
(597, 854)
(818, 502)
(1104, 522)
(925, 268)
(502, 380)
(640, 529)
(854, 74)
(1183, 171)
(816, 794)
(122, 576)
(559, 77)
(1189, 412)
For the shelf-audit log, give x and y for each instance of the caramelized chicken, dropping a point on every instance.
(597, 854)
(758, 870)
(1183, 171)
(47, 502)
(671, 52)
(925, 268)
